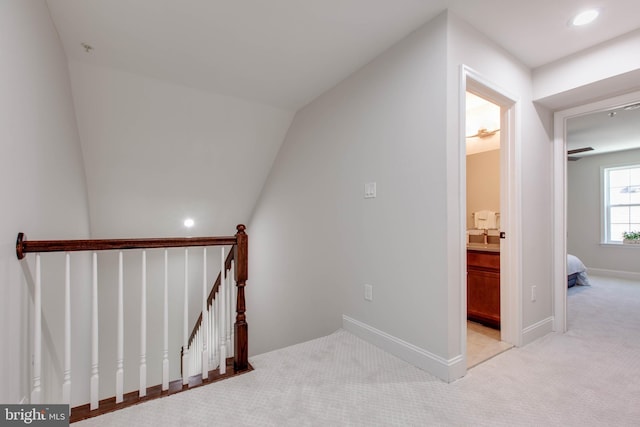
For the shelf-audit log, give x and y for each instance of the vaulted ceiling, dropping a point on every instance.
(169, 93)
(284, 53)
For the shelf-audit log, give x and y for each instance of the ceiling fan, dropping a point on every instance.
(484, 133)
(576, 151)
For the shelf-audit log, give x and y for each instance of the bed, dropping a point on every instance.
(576, 272)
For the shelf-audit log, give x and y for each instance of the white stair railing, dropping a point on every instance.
(208, 349)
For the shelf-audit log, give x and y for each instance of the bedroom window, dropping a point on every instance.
(621, 201)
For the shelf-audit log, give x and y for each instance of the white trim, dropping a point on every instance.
(604, 211)
(559, 224)
(537, 330)
(630, 275)
(560, 201)
(446, 370)
(605, 197)
(510, 200)
(632, 246)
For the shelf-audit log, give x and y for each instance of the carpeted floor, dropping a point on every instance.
(589, 376)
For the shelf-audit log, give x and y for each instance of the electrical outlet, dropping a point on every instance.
(368, 292)
(370, 190)
(533, 293)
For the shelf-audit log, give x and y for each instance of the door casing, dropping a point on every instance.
(510, 215)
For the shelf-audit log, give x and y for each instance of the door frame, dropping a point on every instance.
(510, 204)
(560, 197)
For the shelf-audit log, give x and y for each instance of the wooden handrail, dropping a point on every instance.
(24, 246)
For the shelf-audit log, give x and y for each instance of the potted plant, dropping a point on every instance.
(631, 237)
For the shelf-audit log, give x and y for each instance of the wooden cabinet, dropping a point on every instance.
(483, 287)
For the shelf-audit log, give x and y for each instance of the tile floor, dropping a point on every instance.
(483, 343)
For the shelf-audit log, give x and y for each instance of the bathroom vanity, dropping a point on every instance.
(483, 284)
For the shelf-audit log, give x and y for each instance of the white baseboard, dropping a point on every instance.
(447, 370)
(537, 330)
(614, 273)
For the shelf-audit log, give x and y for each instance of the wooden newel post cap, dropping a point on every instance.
(241, 228)
(19, 246)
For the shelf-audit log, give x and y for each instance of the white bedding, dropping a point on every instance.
(574, 265)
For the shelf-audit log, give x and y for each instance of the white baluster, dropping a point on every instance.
(197, 353)
(216, 328)
(95, 378)
(36, 392)
(212, 340)
(120, 338)
(185, 343)
(198, 367)
(66, 381)
(232, 314)
(204, 324)
(165, 352)
(223, 338)
(227, 285)
(143, 328)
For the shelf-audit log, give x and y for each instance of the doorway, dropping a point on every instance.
(560, 195)
(482, 136)
(508, 238)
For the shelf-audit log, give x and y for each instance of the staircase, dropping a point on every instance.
(216, 347)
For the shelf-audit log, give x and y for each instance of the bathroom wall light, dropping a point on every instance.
(189, 222)
(585, 17)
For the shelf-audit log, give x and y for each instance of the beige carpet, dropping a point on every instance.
(589, 376)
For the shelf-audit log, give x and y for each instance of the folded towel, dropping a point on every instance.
(485, 219)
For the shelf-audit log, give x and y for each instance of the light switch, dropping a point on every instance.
(368, 292)
(370, 190)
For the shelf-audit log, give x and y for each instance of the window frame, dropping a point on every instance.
(605, 224)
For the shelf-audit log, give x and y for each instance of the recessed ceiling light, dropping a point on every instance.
(585, 17)
(189, 222)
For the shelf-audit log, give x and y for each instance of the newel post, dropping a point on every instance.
(241, 255)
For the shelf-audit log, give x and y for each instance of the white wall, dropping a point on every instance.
(532, 162)
(42, 182)
(483, 183)
(584, 211)
(156, 152)
(394, 122)
(316, 241)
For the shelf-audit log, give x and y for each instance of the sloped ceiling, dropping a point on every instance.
(183, 104)
(286, 52)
